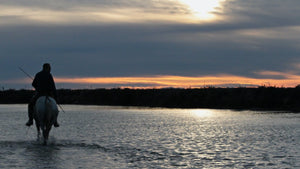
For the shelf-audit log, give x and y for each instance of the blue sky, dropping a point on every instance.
(255, 41)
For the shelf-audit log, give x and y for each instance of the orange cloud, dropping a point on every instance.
(223, 80)
(289, 80)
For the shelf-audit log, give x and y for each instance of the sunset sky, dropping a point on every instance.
(151, 43)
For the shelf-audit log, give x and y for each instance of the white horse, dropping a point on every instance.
(46, 112)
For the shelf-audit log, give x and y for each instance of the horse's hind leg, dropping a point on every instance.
(46, 135)
(38, 130)
(45, 141)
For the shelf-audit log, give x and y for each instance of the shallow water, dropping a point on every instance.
(124, 137)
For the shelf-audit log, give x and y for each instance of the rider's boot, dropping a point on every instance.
(56, 124)
(29, 122)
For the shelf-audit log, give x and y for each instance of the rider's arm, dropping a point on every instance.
(35, 82)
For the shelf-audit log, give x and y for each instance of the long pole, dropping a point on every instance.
(32, 79)
(26, 73)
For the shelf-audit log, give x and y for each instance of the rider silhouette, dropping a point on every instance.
(44, 86)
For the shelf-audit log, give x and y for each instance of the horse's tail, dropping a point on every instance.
(48, 116)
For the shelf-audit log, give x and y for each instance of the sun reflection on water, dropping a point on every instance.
(202, 112)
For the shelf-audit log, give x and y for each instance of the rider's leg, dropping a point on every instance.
(55, 98)
(30, 114)
(31, 109)
(55, 122)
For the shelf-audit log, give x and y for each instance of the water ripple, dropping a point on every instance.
(153, 138)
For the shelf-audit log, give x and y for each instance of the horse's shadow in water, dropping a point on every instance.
(40, 156)
(46, 112)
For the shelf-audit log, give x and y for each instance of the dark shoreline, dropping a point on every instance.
(262, 98)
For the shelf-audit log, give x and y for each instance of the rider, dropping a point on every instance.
(44, 85)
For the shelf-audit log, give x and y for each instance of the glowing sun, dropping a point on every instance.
(203, 9)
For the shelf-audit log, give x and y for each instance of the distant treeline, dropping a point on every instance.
(265, 98)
